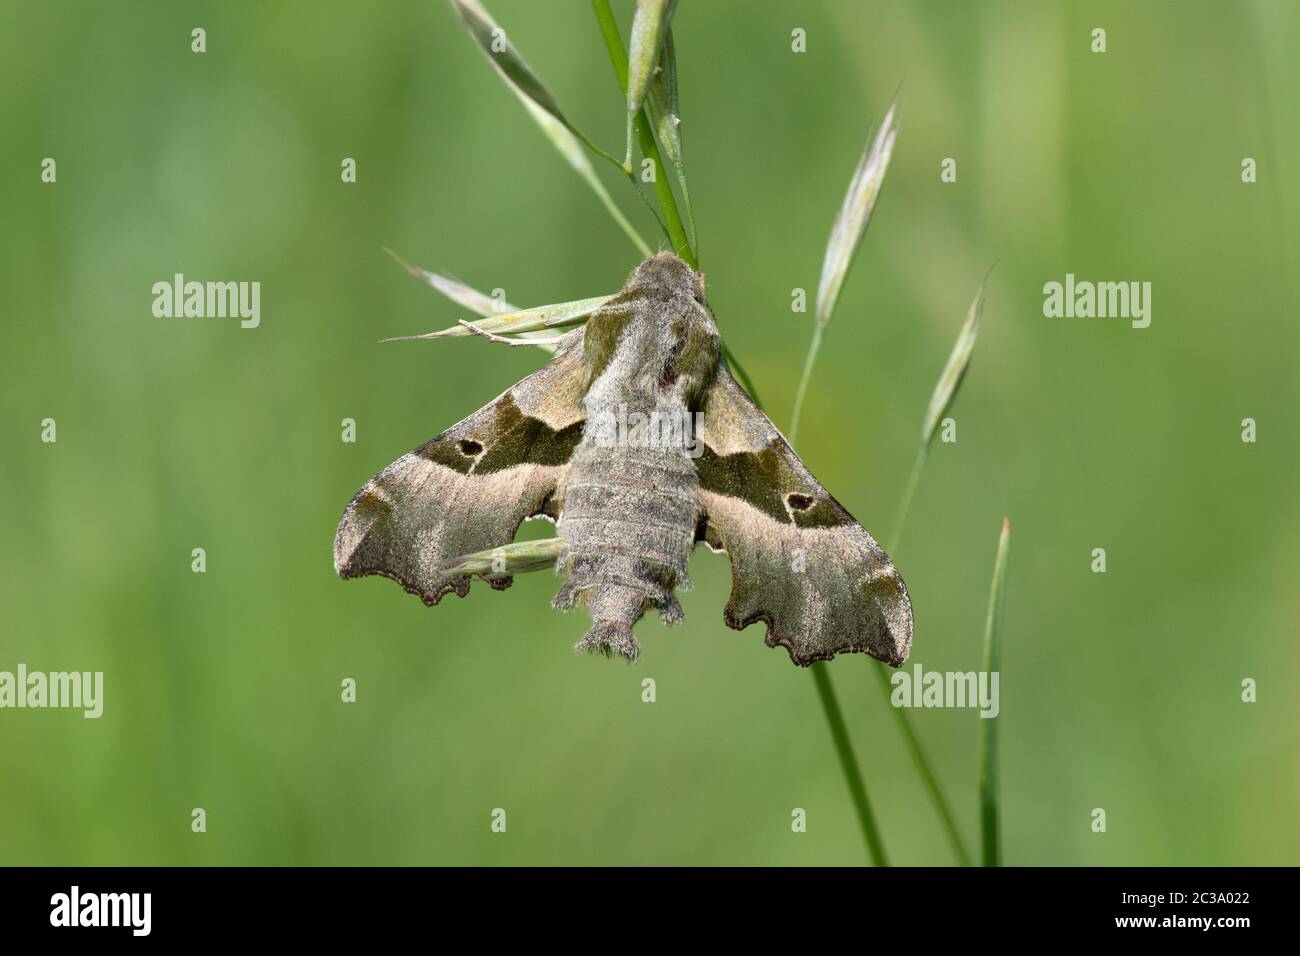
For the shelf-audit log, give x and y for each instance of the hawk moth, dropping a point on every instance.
(631, 503)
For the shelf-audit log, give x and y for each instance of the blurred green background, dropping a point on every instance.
(1119, 691)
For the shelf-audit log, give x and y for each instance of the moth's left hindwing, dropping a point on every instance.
(470, 488)
(799, 562)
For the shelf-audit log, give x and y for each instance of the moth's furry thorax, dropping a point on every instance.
(655, 342)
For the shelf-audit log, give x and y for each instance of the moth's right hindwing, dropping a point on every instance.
(470, 488)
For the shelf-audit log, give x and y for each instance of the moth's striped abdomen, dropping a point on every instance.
(629, 526)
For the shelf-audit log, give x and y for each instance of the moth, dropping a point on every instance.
(638, 443)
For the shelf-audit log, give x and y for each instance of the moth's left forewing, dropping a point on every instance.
(800, 562)
(468, 489)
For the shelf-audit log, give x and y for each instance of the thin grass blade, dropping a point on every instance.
(520, 557)
(990, 838)
(649, 25)
(928, 776)
(849, 763)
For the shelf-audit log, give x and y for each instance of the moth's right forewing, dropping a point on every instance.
(799, 561)
(469, 489)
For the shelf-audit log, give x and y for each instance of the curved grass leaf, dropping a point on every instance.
(541, 106)
(492, 40)
(465, 295)
(456, 290)
(517, 558)
(665, 116)
(649, 25)
(671, 220)
(536, 319)
(661, 102)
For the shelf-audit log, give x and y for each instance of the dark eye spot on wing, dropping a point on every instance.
(755, 478)
(509, 438)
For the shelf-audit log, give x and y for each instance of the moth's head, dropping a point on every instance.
(668, 276)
